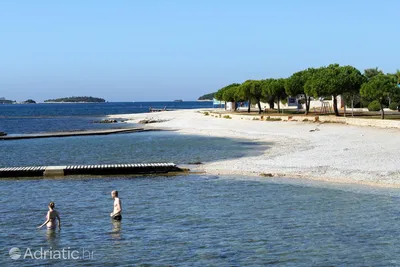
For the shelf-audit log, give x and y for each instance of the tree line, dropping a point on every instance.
(209, 96)
(328, 81)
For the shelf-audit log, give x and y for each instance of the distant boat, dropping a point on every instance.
(179, 100)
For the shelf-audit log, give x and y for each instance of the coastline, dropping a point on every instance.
(334, 153)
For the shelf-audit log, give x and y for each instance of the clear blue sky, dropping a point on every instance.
(130, 50)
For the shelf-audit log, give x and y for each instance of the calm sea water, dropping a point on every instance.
(24, 119)
(200, 221)
(124, 148)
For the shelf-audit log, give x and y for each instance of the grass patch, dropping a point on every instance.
(206, 113)
(273, 119)
(227, 117)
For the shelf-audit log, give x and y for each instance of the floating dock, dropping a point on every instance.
(75, 133)
(101, 169)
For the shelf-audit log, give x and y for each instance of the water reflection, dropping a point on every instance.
(116, 229)
(52, 238)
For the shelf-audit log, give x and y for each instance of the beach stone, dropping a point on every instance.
(146, 121)
(196, 163)
(106, 121)
(266, 174)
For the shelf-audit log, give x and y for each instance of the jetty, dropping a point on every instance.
(101, 169)
(74, 133)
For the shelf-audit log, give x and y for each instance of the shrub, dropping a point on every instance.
(374, 106)
(206, 113)
(273, 119)
(227, 117)
(393, 105)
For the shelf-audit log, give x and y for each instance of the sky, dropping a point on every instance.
(155, 50)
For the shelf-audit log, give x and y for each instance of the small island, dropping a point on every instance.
(29, 101)
(3, 100)
(76, 99)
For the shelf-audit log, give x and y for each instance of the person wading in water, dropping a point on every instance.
(51, 217)
(116, 214)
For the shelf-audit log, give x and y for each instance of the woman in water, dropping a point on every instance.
(51, 217)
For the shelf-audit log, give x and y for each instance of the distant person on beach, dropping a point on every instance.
(116, 214)
(51, 217)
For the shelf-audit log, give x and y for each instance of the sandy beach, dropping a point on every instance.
(334, 152)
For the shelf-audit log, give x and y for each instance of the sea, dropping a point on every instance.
(188, 220)
(54, 117)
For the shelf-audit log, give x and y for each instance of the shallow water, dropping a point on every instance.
(18, 126)
(124, 148)
(201, 221)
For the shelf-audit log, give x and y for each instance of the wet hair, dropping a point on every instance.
(52, 205)
(115, 192)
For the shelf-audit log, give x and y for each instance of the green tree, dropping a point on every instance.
(266, 97)
(220, 94)
(230, 94)
(395, 97)
(379, 87)
(244, 92)
(294, 86)
(256, 93)
(334, 80)
(276, 88)
(353, 80)
(369, 73)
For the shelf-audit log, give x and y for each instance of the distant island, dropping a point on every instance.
(76, 99)
(207, 97)
(178, 100)
(3, 100)
(29, 101)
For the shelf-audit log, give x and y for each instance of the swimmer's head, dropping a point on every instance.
(51, 205)
(114, 193)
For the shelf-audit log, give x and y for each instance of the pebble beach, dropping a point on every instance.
(318, 151)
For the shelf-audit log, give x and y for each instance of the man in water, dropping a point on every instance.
(116, 214)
